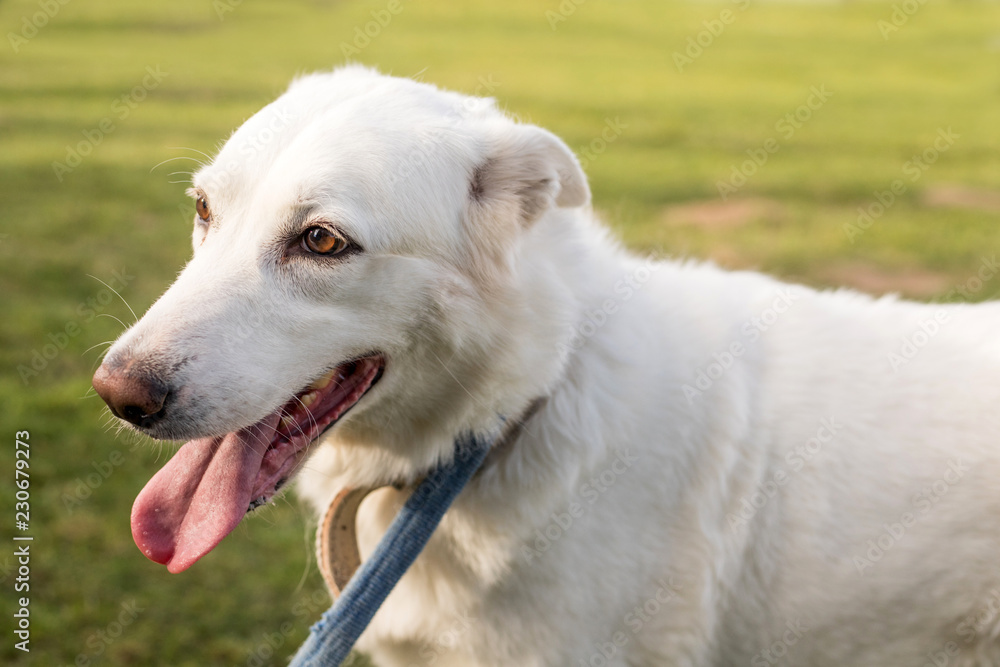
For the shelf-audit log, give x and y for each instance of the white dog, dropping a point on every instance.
(726, 470)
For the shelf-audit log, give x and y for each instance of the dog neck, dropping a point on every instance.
(337, 540)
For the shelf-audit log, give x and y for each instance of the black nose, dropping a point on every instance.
(134, 395)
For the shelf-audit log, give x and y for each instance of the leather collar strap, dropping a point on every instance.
(331, 639)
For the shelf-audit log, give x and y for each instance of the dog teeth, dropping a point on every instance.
(287, 421)
(323, 382)
(310, 398)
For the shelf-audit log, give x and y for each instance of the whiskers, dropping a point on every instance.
(198, 162)
(300, 429)
(135, 318)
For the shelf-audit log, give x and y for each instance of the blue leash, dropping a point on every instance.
(332, 637)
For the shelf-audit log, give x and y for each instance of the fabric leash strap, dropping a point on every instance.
(332, 637)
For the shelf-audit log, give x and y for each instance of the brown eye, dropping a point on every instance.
(201, 206)
(322, 241)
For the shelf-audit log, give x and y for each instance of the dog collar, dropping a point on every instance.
(360, 589)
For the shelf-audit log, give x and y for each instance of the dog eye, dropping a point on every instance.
(322, 241)
(201, 206)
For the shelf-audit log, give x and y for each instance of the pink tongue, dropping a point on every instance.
(200, 495)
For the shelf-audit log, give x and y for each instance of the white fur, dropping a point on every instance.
(485, 297)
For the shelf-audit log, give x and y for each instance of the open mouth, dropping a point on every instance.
(204, 491)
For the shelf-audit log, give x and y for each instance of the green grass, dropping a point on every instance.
(123, 208)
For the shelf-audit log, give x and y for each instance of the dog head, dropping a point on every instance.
(361, 265)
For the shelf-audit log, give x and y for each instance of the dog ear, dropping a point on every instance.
(531, 169)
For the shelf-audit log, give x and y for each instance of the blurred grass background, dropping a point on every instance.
(680, 131)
